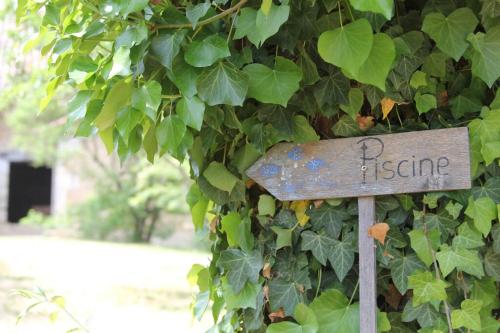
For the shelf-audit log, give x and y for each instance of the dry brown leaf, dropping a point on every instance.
(365, 122)
(318, 203)
(387, 254)
(280, 314)
(392, 296)
(249, 183)
(387, 105)
(265, 291)
(379, 231)
(213, 224)
(266, 271)
(442, 99)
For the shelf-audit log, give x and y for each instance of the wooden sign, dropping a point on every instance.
(363, 167)
(423, 161)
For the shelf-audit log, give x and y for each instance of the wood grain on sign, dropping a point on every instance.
(432, 160)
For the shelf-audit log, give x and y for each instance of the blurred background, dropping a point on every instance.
(108, 241)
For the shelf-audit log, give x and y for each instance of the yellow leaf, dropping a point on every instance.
(300, 208)
(266, 6)
(58, 300)
(387, 104)
(379, 231)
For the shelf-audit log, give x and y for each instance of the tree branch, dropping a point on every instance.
(204, 22)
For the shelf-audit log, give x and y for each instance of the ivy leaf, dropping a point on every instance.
(450, 32)
(266, 205)
(490, 151)
(303, 131)
(485, 55)
(426, 288)
(237, 231)
(467, 237)
(284, 294)
(127, 7)
(245, 25)
(454, 209)
(196, 12)
(269, 24)
(119, 96)
(245, 299)
(422, 245)
(305, 317)
(329, 218)
(341, 257)
(170, 132)
(483, 211)
(147, 98)
(401, 268)
(356, 99)
(184, 77)
(121, 62)
(319, 245)
(334, 313)
(167, 46)
(332, 89)
(133, 35)
(347, 47)
(346, 127)
(217, 175)
(77, 107)
(240, 267)
(492, 264)
(127, 120)
(379, 62)
(191, 111)
(284, 238)
(425, 314)
(425, 102)
(273, 85)
(223, 84)
(384, 7)
(464, 260)
(467, 316)
(206, 52)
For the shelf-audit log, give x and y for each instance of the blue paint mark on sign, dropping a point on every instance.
(295, 154)
(315, 164)
(269, 170)
(289, 187)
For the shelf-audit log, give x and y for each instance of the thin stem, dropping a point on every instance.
(353, 293)
(232, 25)
(75, 320)
(171, 96)
(349, 9)
(320, 273)
(206, 21)
(340, 13)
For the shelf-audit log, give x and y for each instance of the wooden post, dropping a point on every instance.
(367, 267)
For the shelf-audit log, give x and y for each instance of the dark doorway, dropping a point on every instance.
(29, 187)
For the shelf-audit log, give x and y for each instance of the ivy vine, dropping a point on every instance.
(219, 82)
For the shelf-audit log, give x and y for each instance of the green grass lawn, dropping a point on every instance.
(111, 287)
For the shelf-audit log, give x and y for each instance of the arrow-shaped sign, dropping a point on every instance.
(386, 164)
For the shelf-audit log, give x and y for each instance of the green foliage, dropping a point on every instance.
(218, 85)
(129, 204)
